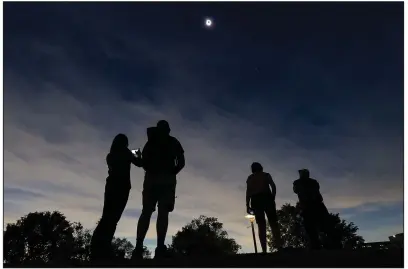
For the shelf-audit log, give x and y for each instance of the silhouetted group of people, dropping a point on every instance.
(260, 201)
(162, 158)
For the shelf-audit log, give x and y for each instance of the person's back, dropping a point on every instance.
(163, 159)
(119, 164)
(314, 212)
(258, 183)
(119, 161)
(260, 200)
(307, 189)
(160, 152)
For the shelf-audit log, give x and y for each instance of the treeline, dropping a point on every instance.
(45, 237)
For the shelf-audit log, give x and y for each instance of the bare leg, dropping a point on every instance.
(161, 226)
(262, 235)
(276, 234)
(273, 223)
(142, 227)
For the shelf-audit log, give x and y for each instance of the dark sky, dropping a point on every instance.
(291, 85)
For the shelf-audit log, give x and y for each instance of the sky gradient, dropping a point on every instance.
(292, 86)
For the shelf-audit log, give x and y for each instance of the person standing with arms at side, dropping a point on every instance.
(117, 190)
(313, 210)
(260, 200)
(163, 159)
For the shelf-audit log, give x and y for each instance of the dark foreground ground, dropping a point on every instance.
(358, 258)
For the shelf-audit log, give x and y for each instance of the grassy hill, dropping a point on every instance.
(344, 258)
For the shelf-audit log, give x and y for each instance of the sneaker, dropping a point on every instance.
(160, 252)
(102, 257)
(137, 253)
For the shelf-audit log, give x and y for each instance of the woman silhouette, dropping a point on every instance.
(117, 190)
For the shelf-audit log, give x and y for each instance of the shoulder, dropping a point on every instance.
(112, 158)
(267, 175)
(147, 146)
(314, 181)
(174, 141)
(269, 178)
(296, 182)
(250, 177)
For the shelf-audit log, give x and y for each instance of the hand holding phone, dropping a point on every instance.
(137, 152)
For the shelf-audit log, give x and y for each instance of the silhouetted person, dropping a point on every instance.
(163, 159)
(260, 200)
(313, 210)
(117, 190)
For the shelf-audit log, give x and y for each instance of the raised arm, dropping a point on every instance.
(136, 160)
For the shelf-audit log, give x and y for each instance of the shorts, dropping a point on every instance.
(162, 194)
(263, 203)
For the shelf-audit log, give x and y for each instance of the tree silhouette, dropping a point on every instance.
(82, 243)
(39, 236)
(146, 253)
(49, 237)
(294, 236)
(346, 232)
(123, 249)
(290, 224)
(203, 236)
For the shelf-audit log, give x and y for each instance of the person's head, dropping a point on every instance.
(163, 126)
(119, 143)
(256, 167)
(151, 133)
(304, 173)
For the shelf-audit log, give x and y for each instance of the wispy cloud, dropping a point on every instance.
(64, 101)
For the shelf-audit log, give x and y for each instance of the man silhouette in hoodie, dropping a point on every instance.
(316, 217)
(163, 159)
